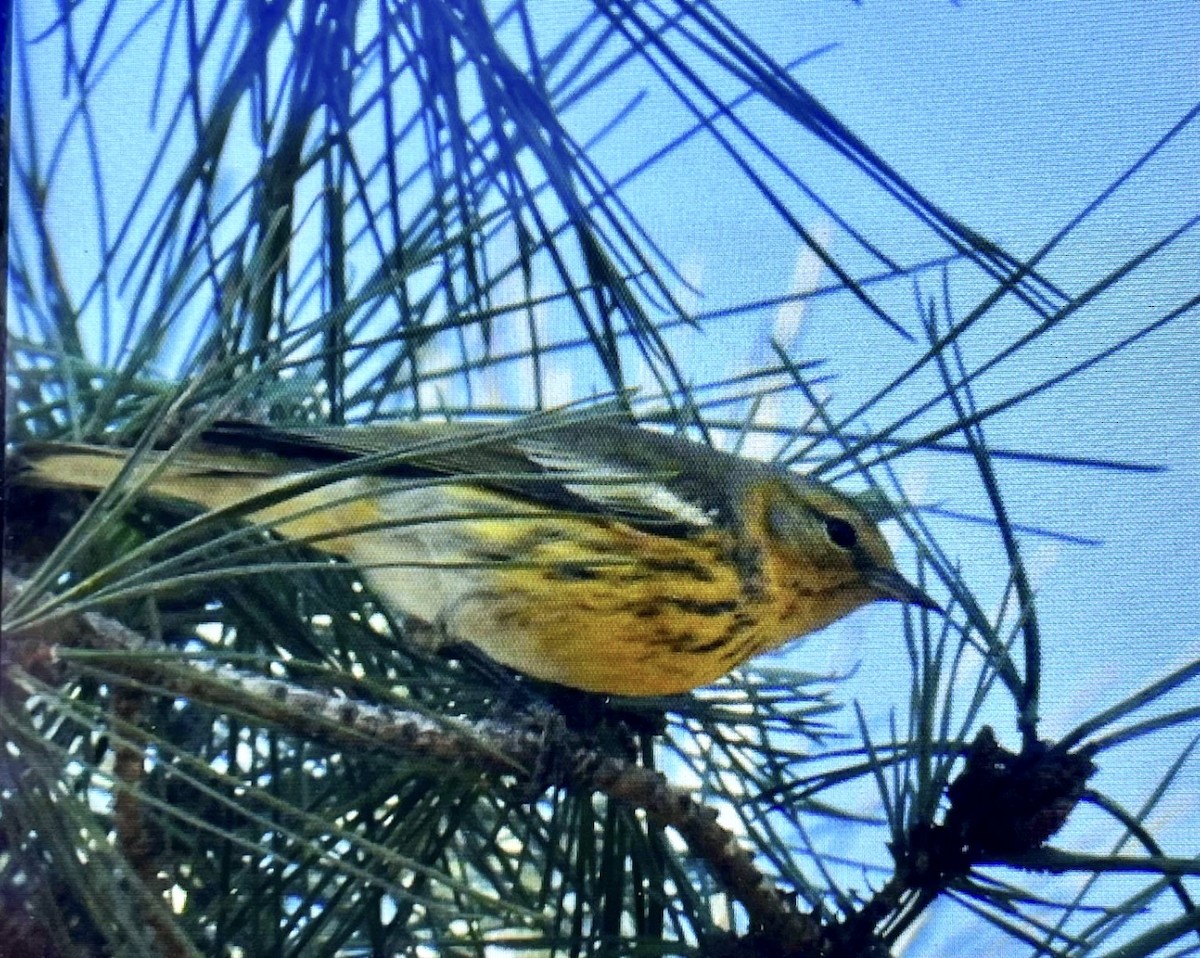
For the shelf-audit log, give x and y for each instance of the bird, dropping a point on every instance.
(601, 555)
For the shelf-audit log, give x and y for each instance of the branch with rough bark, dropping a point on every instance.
(1001, 805)
(486, 746)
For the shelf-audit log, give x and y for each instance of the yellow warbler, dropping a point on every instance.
(597, 555)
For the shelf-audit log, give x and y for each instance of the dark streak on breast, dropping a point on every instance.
(710, 646)
(687, 567)
(696, 607)
(571, 572)
(749, 561)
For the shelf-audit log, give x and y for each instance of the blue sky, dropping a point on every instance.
(1013, 117)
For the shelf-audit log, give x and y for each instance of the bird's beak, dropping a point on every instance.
(890, 584)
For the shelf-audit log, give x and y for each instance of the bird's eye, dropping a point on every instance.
(840, 533)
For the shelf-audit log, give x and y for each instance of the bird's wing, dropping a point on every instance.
(645, 478)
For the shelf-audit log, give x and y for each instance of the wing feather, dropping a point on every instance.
(668, 484)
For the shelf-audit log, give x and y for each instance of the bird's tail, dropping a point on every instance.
(206, 481)
(64, 465)
(328, 517)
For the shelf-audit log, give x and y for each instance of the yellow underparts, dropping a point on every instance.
(598, 605)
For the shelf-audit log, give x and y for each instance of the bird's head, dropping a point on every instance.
(824, 550)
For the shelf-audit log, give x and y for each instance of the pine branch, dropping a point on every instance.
(488, 747)
(1002, 807)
